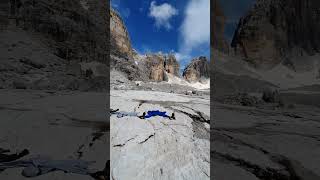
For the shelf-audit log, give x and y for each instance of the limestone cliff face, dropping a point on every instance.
(159, 64)
(171, 65)
(72, 30)
(274, 31)
(150, 67)
(197, 69)
(123, 56)
(120, 40)
(156, 67)
(54, 44)
(218, 28)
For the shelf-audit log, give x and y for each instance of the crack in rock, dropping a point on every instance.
(147, 138)
(15, 109)
(259, 172)
(173, 130)
(96, 136)
(240, 142)
(120, 145)
(295, 169)
(198, 117)
(79, 151)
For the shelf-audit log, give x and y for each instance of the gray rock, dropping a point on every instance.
(33, 62)
(20, 84)
(218, 27)
(274, 30)
(197, 69)
(120, 40)
(171, 65)
(180, 148)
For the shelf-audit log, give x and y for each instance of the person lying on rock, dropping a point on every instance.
(156, 113)
(149, 114)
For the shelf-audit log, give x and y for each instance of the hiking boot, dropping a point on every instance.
(172, 116)
(143, 115)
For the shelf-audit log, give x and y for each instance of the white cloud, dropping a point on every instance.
(180, 56)
(162, 14)
(195, 28)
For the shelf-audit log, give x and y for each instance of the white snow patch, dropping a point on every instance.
(197, 85)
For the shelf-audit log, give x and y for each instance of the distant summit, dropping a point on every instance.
(197, 69)
(275, 32)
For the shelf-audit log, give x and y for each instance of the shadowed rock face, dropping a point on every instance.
(198, 68)
(60, 44)
(120, 41)
(273, 31)
(74, 31)
(218, 28)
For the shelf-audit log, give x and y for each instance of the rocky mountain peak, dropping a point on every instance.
(171, 65)
(197, 69)
(273, 32)
(156, 67)
(120, 40)
(159, 64)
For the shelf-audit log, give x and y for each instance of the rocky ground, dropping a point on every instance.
(267, 140)
(160, 148)
(60, 125)
(259, 140)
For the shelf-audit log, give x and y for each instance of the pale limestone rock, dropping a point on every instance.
(156, 148)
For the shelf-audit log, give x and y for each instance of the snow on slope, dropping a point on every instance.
(197, 85)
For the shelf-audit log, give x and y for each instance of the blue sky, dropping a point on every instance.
(234, 10)
(178, 26)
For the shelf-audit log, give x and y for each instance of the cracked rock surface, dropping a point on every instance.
(160, 148)
(54, 124)
(265, 143)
